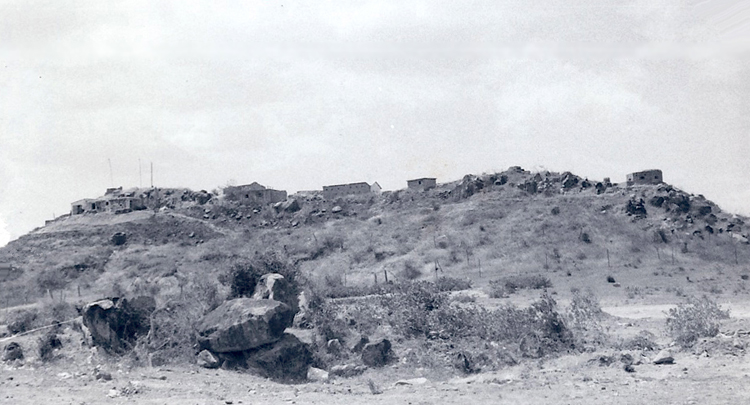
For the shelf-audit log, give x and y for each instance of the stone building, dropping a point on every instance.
(114, 200)
(645, 177)
(339, 190)
(254, 193)
(422, 184)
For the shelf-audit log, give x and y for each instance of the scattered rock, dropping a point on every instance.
(119, 239)
(664, 357)
(374, 389)
(290, 206)
(206, 359)
(347, 370)
(286, 360)
(377, 354)
(115, 324)
(629, 368)
(336, 209)
(412, 381)
(275, 287)
(316, 374)
(12, 352)
(103, 376)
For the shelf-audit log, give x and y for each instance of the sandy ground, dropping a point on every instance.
(566, 380)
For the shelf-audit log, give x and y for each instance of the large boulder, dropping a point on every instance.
(377, 354)
(243, 324)
(115, 324)
(286, 360)
(274, 286)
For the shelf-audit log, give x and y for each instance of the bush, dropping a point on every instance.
(502, 287)
(410, 271)
(445, 284)
(697, 318)
(243, 278)
(47, 344)
(23, 321)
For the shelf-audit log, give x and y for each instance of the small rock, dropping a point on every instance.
(336, 209)
(347, 370)
(206, 359)
(333, 346)
(113, 393)
(629, 368)
(412, 381)
(316, 374)
(12, 352)
(664, 357)
(103, 376)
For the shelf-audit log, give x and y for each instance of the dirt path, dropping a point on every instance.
(738, 310)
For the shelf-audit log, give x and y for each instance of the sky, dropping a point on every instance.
(297, 95)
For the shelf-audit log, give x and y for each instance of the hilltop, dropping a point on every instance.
(573, 230)
(487, 273)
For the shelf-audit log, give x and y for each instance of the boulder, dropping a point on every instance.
(115, 324)
(316, 374)
(664, 357)
(377, 354)
(275, 287)
(286, 360)
(243, 324)
(206, 359)
(12, 352)
(290, 206)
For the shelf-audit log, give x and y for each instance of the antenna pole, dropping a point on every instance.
(152, 174)
(140, 174)
(111, 178)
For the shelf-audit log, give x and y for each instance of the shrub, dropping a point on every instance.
(502, 287)
(47, 344)
(23, 321)
(445, 284)
(583, 316)
(243, 278)
(410, 271)
(697, 318)
(645, 340)
(585, 237)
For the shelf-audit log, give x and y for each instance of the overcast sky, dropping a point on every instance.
(297, 96)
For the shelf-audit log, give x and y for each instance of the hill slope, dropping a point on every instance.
(573, 231)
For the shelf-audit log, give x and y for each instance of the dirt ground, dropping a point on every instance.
(695, 378)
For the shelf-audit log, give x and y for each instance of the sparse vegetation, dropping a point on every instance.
(694, 319)
(502, 287)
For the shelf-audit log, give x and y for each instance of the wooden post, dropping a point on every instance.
(608, 263)
(479, 262)
(50, 294)
(79, 290)
(673, 254)
(385, 274)
(376, 278)
(546, 260)
(658, 256)
(735, 254)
